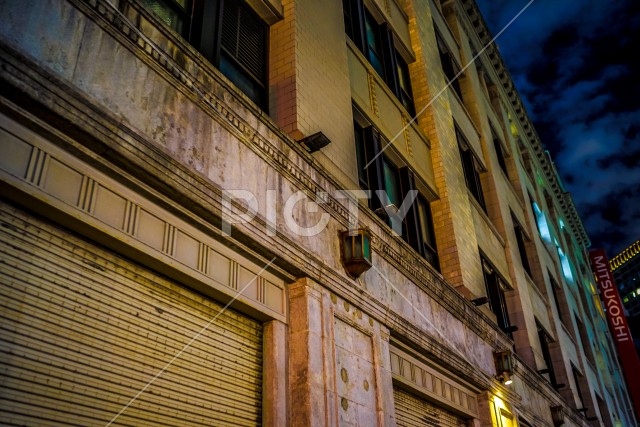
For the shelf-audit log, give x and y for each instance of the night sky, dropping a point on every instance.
(575, 64)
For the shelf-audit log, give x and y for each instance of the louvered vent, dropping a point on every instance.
(244, 37)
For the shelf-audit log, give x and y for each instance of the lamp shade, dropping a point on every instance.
(503, 362)
(355, 247)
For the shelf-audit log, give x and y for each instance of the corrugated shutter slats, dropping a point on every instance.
(82, 331)
(412, 411)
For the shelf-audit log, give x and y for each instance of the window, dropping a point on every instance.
(556, 291)
(522, 249)
(174, 13)
(550, 208)
(404, 85)
(545, 339)
(565, 265)
(541, 221)
(525, 158)
(497, 144)
(577, 377)
(426, 231)
(376, 41)
(449, 65)
(228, 33)
(495, 287)
(373, 43)
(586, 342)
(471, 169)
(397, 181)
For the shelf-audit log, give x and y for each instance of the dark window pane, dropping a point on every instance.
(426, 229)
(374, 45)
(449, 65)
(500, 153)
(361, 156)
(247, 85)
(522, 249)
(391, 183)
(348, 19)
(244, 37)
(495, 293)
(171, 13)
(404, 83)
(470, 170)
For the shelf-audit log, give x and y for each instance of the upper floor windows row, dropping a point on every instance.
(229, 33)
(376, 41)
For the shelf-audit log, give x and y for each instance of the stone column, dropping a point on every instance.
(274, 382)
(311, 357)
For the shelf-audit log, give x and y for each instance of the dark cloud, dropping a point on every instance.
(575, 66)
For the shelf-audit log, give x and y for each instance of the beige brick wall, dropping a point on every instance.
(452, 215)
(309, 80)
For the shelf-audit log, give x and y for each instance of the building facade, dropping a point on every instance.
(175, 179)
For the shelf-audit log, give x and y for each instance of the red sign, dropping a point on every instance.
(618, 324)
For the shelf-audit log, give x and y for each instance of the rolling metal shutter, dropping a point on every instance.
(412, 411)
(82, 331)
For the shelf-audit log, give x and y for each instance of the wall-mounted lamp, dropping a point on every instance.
(504, 366)
(355, 251)
(505, 378)
(315, 142)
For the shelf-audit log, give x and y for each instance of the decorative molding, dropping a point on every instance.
(387, 7)
(407, 135)
(83, 192)
(373, 96)
(432, 383)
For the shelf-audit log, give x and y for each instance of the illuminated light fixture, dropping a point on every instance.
(505, 378)
(504, 366)
(355, 251)
(315, 142)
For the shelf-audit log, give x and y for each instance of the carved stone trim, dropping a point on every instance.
(430, 382)
(66, 180)
(373, 95)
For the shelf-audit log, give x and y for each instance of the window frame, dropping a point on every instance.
(367, 146)
(521, 239)
(182, 13)
(471, 168)
(450, 67)
(357, 17)
(500, 151)
(545, 339)
(495, 287)
(576, 378)
(203, 29)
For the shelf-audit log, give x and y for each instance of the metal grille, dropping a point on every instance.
(412, 411)
(244, 37)
(83, 330)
